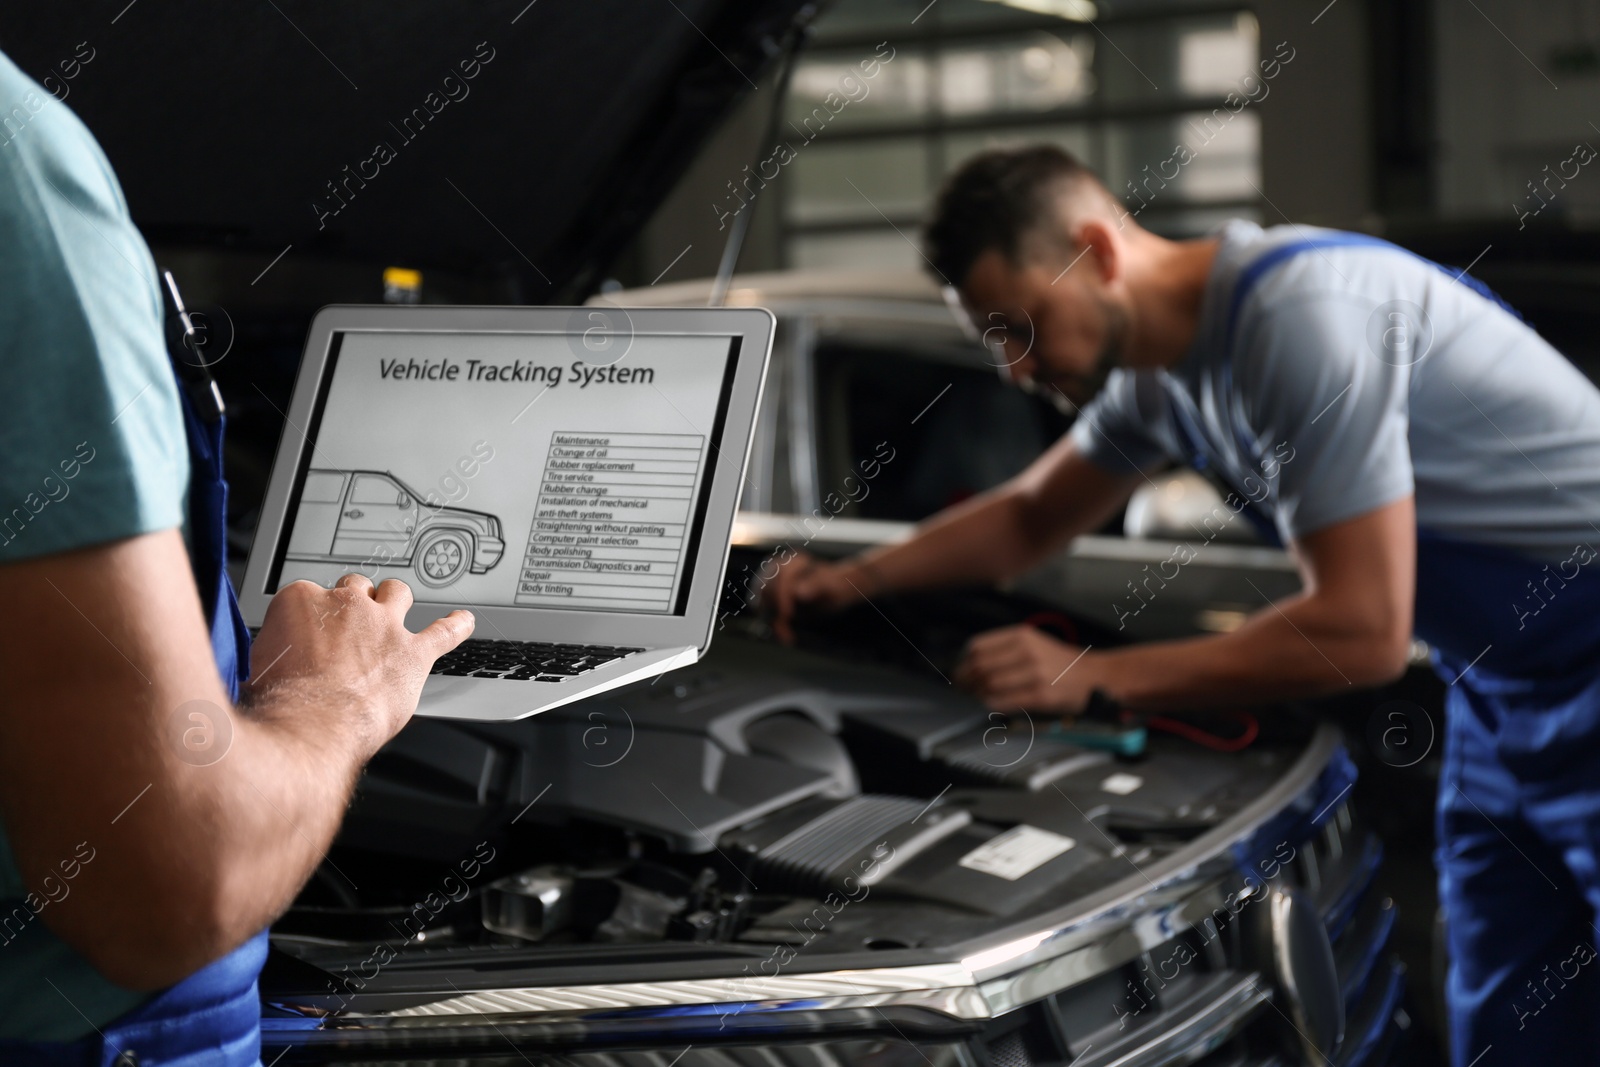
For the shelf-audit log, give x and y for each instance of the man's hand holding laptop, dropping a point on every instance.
(352, 639)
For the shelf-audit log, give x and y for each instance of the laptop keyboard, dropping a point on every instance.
(526, 661)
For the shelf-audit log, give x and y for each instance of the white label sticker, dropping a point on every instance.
(1016, 852)
(1121, 784)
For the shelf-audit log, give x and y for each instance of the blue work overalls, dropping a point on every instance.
(213, 1017)
(1518, 814)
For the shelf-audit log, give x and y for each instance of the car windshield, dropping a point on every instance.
(931, 410)
(415, 496)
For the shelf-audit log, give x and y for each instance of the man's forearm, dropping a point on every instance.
(1294, 648)
(242, 834)
(982, 540)
(203, 819)
(290, 794)
(1002, 533)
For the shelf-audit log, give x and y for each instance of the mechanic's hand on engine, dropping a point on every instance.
(1023, 668)
(802, 580)
(351, 643)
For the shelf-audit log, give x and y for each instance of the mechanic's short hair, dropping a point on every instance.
(1000, 197)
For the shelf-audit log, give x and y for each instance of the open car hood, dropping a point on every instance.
(528, 139)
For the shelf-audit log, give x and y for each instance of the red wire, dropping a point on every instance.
(1062, 622)
(1216, 743)
(1251, 728)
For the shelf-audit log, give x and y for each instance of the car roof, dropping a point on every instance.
(762, 289)
(886, 305)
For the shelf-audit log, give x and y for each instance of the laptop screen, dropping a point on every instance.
(510, 469)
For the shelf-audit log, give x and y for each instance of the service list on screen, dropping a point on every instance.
(612, 520)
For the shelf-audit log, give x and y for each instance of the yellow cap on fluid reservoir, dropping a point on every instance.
(402, 277)
(401, 285)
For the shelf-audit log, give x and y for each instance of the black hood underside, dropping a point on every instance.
(529, 139)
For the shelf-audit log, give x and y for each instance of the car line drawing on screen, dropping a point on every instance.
(372, 517)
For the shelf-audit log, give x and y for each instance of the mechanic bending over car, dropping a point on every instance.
(137, 878)
(1441, 477)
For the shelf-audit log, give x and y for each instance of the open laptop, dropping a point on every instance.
(569, 474)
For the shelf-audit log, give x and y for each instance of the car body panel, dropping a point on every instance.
(362, 516)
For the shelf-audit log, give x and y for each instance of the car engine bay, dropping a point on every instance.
(839, 801)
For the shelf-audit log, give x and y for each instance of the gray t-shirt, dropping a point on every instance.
(1356, 374)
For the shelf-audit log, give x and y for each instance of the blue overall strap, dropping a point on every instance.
(208, 536)
(213, 1017)
(1190, 439)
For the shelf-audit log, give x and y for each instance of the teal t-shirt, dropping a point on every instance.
(92, 449)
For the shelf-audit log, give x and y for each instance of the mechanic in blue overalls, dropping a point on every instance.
(158, 809)
(1431, 463)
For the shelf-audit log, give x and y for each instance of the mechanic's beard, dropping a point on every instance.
(1088, 386)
